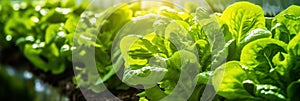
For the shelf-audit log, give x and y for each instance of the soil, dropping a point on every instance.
(12, 56)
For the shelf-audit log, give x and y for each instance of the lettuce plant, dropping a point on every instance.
(268, 68)
(42, 31)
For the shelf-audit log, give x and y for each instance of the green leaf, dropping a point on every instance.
(243, 17)
(250, 87)
(254, 35)
(141, 63)
(118, 16)
(52, 33)
(183, 59)
(228, 81)
(168, 85)
(282, 62)
(258, 54)
(235, 50)
(287, 24)
(294, 58)
(216, 41)
(143, 99)
(136, 50)
(177, 34)
(146, 76)
(204, 77)
(265, 91)
(17, 25)
(54, 16)
(242, 22)
(270, 92)
(294, 46)
(45, 58)
(71, 23)
(214, 38)
(289, 18)
(197, 91)
(155, 93)
(33, 56)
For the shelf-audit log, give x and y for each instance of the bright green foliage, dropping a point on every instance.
(242, 23)
(286, 24)
(251, 78)
(268, 68)
(174, 54)
(155, 59)
(90, 38)
(228, 76)
(258, 54)
(241, 18)
(42, 31)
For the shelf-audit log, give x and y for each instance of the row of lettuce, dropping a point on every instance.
(43, 30)
(176, 54)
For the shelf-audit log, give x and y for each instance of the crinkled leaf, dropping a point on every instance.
(228, 81)
(287, 24)
(294, 58)
(258, 54)
(254, 35)
(242, 22)
(270, 92)
(243, 17)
